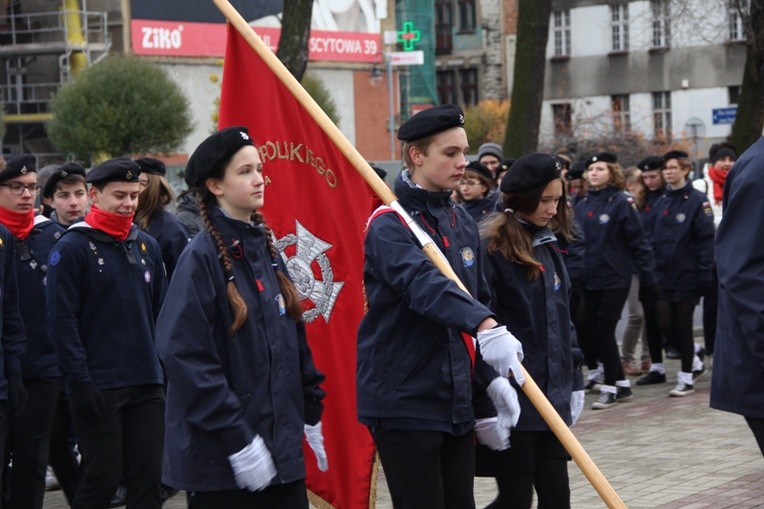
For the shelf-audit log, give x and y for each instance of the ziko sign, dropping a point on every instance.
(195, 28)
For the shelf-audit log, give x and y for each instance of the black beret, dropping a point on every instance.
(650, 163)
(675, 154)
(58, 175)
(151, 165)
(505, 164)
(531, 171)
(431, 121)
(17, 165)
(480, 170)
(576, 171)
(606, 157)
(379, 171)
(119, 169)
(719, 150)
(214, 153)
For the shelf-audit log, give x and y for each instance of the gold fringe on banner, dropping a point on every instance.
(319, 503)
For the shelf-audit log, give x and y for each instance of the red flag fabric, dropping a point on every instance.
(317, 205)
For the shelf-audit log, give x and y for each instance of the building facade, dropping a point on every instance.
(667, 70)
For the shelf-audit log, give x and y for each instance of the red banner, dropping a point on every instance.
(193, 39)
(317, 205)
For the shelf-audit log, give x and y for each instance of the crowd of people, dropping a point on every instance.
(146, 351)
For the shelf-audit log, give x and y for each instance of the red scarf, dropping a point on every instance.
(19, 223)
(719, 177)
(116, 225)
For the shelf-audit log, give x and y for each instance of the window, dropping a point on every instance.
(447, 87)
(734, 94)
(469, 86)
(621, 113)
(563, 119)
(619, 24)
(466, 15)
(661, 23)
(662, 115)
(561, 32)
(443, 36)
(736, 10)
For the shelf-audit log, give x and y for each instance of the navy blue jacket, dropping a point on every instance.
(683, 236)
(103, 297)
(224, 388)
(172, 237)
(615, 239)
(738, 382)
(32, 254)
(14, 341)
(413, 368)
(481, 208)
(537, 313)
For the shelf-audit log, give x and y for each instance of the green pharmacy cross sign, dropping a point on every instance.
(408, 36)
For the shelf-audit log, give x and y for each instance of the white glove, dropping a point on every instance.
(253, 466)
(315, 438)
(491, 435)
(503, 351)
(504, 398)
(576, 405)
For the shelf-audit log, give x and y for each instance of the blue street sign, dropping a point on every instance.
(724, 115)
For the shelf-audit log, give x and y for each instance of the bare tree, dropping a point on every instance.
(749, 120)
(295, 32)
(528, 83)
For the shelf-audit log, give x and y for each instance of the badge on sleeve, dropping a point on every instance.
(604, 219)
(680, 218)
(281, 304)
(468, 256)
(707, 208)
(55, 257)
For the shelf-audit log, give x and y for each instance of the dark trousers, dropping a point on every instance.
(602, 309)
(5, 424)
(757, 426)
(28, 444)
(427, 468)
(675, 320)
(293, 495)
(537, 460)
(126, 439)
(652, 331)
(63, 454)
(710, 313)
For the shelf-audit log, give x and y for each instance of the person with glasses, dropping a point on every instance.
(151, 216)
(683, 235)
(33, 239)
(475, 188)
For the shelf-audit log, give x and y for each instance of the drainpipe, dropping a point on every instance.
(77, 59)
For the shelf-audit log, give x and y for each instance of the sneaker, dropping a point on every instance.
(682, 390)
(653, 377)
(630, 369)
(593, 386)
(696, 373)
(606, 400)
(673, 353)
(623, 393)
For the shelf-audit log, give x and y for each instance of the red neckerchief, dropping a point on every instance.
(116, 225)
(19, 223)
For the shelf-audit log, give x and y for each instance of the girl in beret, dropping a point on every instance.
(151, 214)
(530, 287)
(615, 241)
(241, 384)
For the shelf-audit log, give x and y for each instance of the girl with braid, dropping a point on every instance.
(241, 383)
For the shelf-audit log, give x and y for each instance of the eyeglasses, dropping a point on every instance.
(469, 183)
(18, 189)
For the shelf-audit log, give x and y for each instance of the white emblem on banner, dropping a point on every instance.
(310, 249)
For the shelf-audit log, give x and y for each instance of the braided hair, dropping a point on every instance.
(236, 301)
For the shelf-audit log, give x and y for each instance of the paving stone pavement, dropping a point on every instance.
(656, 451)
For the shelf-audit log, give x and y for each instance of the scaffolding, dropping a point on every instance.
(75, 37)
